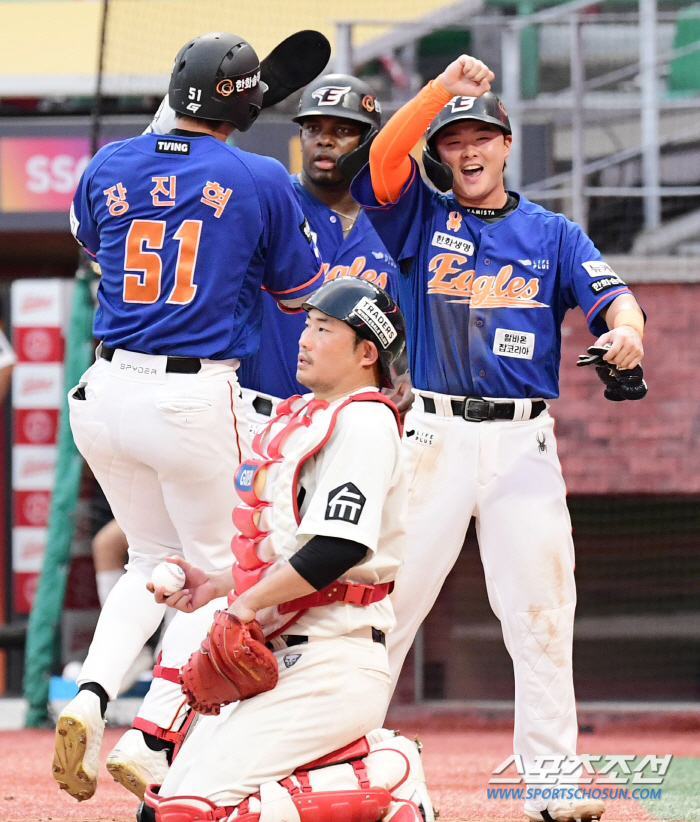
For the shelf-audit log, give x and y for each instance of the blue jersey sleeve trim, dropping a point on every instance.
(299, 288)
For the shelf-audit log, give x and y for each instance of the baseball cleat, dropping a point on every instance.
(79, 732)
(134, 765)
(588, 811)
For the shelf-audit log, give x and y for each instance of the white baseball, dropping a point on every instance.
(168, 575)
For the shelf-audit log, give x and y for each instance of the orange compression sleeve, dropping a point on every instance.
(389, 162)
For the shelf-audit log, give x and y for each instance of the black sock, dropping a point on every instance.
(157, 744)
(96, 688)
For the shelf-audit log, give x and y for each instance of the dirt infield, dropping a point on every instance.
(458, 765)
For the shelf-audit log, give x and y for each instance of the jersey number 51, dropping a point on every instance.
(144, 240)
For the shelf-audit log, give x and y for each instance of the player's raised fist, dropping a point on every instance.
(467, 77)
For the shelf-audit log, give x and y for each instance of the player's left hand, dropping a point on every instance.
(239, 609)
(626, 350)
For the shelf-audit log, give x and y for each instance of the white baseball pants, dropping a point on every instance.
(164, 447)
(330, 692)
(507, 475)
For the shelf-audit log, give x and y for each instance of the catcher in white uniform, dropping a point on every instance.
(321, 538)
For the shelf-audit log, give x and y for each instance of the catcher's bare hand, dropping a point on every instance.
(467, 77)
(626, 348)
(198, 590)
(239, 609)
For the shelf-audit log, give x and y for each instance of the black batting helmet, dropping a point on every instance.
(342, 95)
(487, 108)
(369, 311)
(216, 76)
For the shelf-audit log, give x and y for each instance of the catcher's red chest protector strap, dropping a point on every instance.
(354, 593)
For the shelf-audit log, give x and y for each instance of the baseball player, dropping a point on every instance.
(338, 116)
(186, 230)
(487, 277)
(321, 540)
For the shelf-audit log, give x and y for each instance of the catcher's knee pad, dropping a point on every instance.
(195, 808)
(411, 788)
(384, 780)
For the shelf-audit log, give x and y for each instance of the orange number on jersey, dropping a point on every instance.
(145, 286)
(188, 236)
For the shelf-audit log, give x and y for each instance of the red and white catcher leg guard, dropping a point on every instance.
(380, 777)
(198, 809)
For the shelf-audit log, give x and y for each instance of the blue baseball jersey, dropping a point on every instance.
(187, 230)
(362, 254)
(484, 302)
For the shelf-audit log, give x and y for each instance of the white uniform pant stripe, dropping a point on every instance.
(499, 473)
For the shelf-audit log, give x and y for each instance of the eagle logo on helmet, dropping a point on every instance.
(225, 87)
(503, 108)
(368, 102)
(458, 104)
(330, 95)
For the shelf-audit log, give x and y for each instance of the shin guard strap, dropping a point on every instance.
(147, 727)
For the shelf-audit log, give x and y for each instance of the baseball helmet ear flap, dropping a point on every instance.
(439, 173)
(351, 163)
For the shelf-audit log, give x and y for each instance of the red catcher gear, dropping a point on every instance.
(354, 593)
(397, 791)
(231, 664)
(250, 485)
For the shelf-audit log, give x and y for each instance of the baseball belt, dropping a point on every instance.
(290, 640)
(175, 365)
(478, 409)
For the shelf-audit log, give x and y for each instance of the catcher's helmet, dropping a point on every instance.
(487, 108)
(369, 311)
(341, 95)
(216, 76)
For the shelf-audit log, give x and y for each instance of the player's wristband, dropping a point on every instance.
(632, 318)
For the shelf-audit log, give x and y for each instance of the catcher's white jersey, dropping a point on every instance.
(352, 488)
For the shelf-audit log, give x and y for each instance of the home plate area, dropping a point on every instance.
(459, 760)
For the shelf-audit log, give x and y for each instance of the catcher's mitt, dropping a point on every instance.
(231, 664)
(620, 383)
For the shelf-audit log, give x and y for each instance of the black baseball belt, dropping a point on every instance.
(477, 409)
(290, 640)
(175, 365)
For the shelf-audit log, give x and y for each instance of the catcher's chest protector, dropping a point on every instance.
(268, 485)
